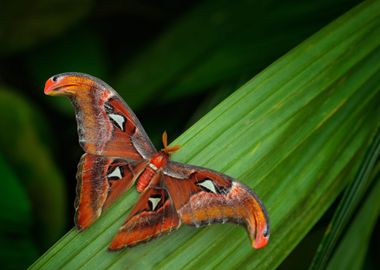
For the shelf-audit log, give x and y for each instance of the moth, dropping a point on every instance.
(118, 153)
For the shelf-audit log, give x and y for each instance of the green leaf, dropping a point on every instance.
(296, 134)
(351, 251)
(351, 198)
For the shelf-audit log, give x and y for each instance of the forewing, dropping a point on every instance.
(100, 181)
(152, 216)
(202, 196)
(106, 125)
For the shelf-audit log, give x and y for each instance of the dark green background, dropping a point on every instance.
(172, 61)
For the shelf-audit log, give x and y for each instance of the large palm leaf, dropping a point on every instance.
(296, 133)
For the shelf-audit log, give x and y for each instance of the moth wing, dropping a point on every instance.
(106, 124)
(100, 181)
(152, 216)
(202, 196)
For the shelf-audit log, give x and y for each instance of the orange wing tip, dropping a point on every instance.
(260, 242)
(81, 226)
(67, 84)
(83, 220)
(255, 215)
(119, 242)
(52, 84)
(261, 238)
(115, 246)
(49, 86)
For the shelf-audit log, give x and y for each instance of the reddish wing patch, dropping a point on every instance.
(126, 136)
(100, 181)
(202, 196)
(106, 125)
(152, 216)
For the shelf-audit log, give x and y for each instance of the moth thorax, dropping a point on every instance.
(159, 160)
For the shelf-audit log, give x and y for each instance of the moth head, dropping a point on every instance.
(68, 84)
(168, 150)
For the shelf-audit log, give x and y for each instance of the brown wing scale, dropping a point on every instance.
(117, 146)
(106, 125)
(152, 216)
(202, 196)
(100, 181)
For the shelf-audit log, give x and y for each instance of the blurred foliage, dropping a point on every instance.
(17, 246)
(22, 144)
(27, 23)
(162, 56)
(218, 42)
